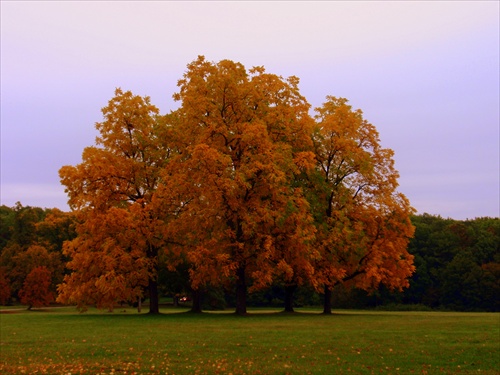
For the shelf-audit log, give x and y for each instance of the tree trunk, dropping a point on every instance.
(139, 304)
(289, 290)
(327, 304)
(154, 305)
(241, 292)
(196, 307)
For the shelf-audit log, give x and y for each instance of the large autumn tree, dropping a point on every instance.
(115, 255)
(363, 221)
(255, 192)
(245, 135)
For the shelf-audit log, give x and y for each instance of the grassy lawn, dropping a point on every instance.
(62, 341)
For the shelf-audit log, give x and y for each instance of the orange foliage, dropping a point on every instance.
(109, 261)
(24, 261)
(115, 254)
(365, 225)
(245, 136)
(36, 289)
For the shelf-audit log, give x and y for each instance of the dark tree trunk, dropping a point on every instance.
(196, 307)
(327, 304)
(241, 292)
(154, 304)
(289, 290)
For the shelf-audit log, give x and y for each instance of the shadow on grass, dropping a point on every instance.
(184, 313)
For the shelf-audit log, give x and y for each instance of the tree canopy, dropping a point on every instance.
(363, 222)
(243, 185)
(246, 136)
(115, 255)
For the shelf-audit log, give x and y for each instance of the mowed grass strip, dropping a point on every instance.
(62, 341)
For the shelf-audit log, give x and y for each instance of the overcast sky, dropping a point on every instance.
(425, 73)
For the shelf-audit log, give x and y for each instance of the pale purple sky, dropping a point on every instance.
(425, 73)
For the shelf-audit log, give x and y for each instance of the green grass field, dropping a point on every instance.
(62, 341)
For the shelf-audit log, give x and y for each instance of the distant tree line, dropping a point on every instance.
(457, 267)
